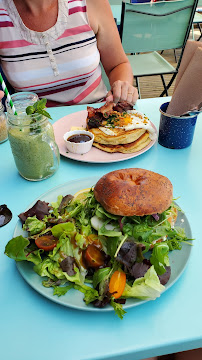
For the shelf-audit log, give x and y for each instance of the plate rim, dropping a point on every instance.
(58, 300)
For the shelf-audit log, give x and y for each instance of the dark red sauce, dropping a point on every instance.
(79, 138)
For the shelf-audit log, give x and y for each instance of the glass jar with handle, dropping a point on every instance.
(31, 139)
(3, 125)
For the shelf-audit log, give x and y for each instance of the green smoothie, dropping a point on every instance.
(33, 155)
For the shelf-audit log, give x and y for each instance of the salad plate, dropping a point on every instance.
(74, 298)
(94, 155)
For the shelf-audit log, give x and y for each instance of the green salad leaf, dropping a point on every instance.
(145, 288)
(159, 257)
(34, 226)
(59, 229)
(15, 249)
(62, 290)
(118, 308)
(100, 275)
(90, 294)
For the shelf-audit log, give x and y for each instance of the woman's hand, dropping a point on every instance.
(122, 91)
(1, 95)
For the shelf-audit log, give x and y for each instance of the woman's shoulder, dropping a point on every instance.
(99, 12)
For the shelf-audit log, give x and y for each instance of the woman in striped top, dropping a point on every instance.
(54, 48)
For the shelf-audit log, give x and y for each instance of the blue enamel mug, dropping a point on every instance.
(175, 132)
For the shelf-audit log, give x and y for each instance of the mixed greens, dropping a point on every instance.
(75, 243)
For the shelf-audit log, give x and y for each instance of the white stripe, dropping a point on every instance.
(76, 3)
(69, 66)
(5, 17)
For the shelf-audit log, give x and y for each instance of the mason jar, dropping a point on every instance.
(3, 125)
(31, 139)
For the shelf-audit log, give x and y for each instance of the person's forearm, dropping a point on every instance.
(121, 72)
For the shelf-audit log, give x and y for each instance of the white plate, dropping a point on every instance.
(74, 298)
(94, 155)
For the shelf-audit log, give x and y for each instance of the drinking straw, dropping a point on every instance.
(7, 94)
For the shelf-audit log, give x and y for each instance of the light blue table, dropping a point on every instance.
(32, 327)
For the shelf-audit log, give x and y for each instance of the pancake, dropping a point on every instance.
(129, 148)
(121, 136)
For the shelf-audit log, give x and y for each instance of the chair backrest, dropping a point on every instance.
(115, 2)
(156, 26)
(199, 5)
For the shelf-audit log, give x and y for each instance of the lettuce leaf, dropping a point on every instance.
(15, 248)
(103, 214)
(118, 308)
(59, 229)
(34, 226)
(52, 269)
(90, 294)
(62, 290)
(100, 275)
(159, 257)
(145, 288)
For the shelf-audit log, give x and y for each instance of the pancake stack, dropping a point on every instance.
(119, 128)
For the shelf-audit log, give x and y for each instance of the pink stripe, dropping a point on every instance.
(85, 93)
(77, 9)
(80, 97)
(14, 44)
(70, 1)
(75, 31)
(53, 82)
(3, 10)
(6, 24)
(54, 91)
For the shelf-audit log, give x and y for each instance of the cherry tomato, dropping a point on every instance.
(46, 242)
(117, 284)
(93, 239)
(94, 257)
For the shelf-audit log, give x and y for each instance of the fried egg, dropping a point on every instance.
(130, 120)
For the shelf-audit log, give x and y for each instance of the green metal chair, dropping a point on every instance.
(115, 2)
(147, 28)
(198, 19)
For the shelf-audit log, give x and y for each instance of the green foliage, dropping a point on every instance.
(38, 108)
(118, 308)
(62, 290)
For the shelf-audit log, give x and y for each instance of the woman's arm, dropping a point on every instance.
(113, 57)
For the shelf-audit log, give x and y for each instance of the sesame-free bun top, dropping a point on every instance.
(134, 191)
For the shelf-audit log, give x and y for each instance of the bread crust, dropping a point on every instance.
(134, 191)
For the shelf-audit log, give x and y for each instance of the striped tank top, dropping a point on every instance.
(61, 64)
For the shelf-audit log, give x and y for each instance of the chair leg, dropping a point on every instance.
(199, 26)
(175, 55)
(164, 84)
(169, 85)
(138, 86)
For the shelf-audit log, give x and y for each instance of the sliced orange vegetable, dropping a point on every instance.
(46, 242)
(117, 283)
(172, 218)
(94, 257)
